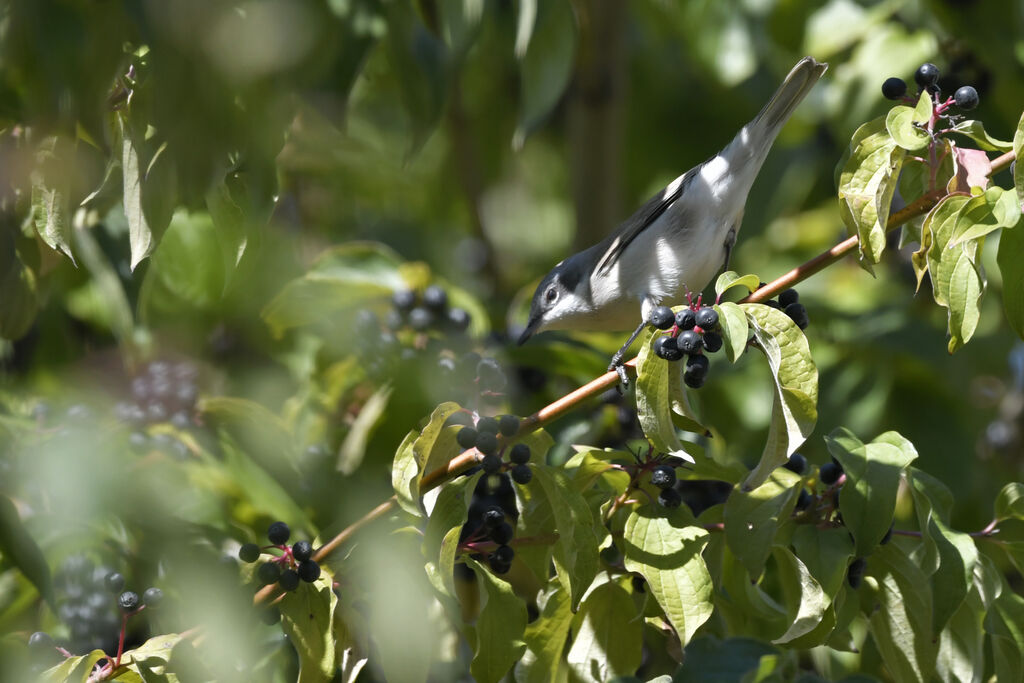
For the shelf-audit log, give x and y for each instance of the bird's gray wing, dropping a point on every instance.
(641, 220)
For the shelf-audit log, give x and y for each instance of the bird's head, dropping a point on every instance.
(559, 299)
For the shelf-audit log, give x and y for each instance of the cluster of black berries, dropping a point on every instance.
(490, 524)
(164, 392)
(85, 606)
(483, 436)
(789, 303)
(430, 312)
(697, 494)
(691, 331)
(832, 477)
(926, 77)
(286, 570)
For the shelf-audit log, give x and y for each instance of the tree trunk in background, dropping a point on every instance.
(595, 120)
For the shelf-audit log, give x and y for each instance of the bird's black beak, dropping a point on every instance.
(531, 327)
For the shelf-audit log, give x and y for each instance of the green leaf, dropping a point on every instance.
(371, 414)
(826, 553)
(806, 602)
(795, 408)
(440, 539)
(545, 637)
(1018, 169)
(904, 123)
(955, 574)
(1010, 502)
(653, 400)
(996, 208)
(666, 551)
(709, 660)
(412, 457)
(260, 433)
(867, 182)
(307, 616)
(404, 472)
(752, 518)
(74, 669)
(460, 23)
(961, 656)
(547, 63)
(730, 279)
(108, 299)
(17, 290)
(150, 190)
(901, 626)
(239, 205)
(341, 280)
(867, 500)
(51, 210)
(975, 130)
(735, 330)
(575, 552)
(260, 487)
(606, 643)
(957, 282)
(499, 630)
(153, 655)
(1011, 266)
(19, 547)
(1004, 621)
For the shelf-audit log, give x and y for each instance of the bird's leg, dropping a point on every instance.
(730, 242)
(616, 363)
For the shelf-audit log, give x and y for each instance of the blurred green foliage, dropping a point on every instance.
(224, 186)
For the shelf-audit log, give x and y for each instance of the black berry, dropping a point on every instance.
(278, 533)
(663, 476)
(788, 296)
(249, 552)
(404, 300)
(669, 498)
(686, 319)
(302, 551)
(420, 318)
(502, 533)
(40, 642)
(689, 342)
(804, 500)
(639, 583)
(466, 438)
(661, 317)
(128, 601)
(707, 318)
(114, 582)
(830, 473)
(289, 580)
(798, 314)
(487, 443)
(797, 463)
(772, 303)
(493, 516)
(667, 348)
(696, 371)
(894, 88)
(522, 474)
(152, 597)
(268, 572)
(503, 553)
(508, 425)
(491, 464)
(966, 97)
(435, 298)
(488, 425)
(926, 75)
(855, 572)
(308, 571)
(520, 454)
(497, 566)
(712, 342)
(458, 319)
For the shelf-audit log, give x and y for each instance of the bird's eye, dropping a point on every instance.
(551, 295)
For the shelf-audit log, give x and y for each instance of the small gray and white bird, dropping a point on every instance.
(675, 243)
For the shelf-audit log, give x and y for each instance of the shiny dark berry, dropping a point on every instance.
(466, 438)
(508, 425)
(804, 500)
(686, 319)
(521, 474)
(497, 566)
(278, 533)
(663, 476)
(689, 342)
(488, 425)
(421, 318)
(249, 552)
(520, 454)
(493, 516)
(707, 318)
(661, 317)
(666, 347)
(114, 582)
(289, 580)
(302, 551)
(712, 342)
(502, 533)
(966, 98)
(128, 601)
(458, 319)
(40, 642)
(894, 88)
(830, 473)
(152, 597)
(435, 298)
(788, 296)
(926, 75)
(796, 463)
(308, 571)
(855, 572)
(268, 572)
(696, 371)
(504, 553)
(404, 300)
(491, 464)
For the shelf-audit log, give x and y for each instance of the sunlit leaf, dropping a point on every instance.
(904, 123)
(996, 208)
(975, 130)
(957, 282)
(545, 637)
(605, 645)
(499, 630)
(806, 602)
(1011, 267)
(1018, 170)
(51, 180)
(730, 279)
(442, 533)
(19, 547)
(735, 330)
(307, 615)
(575, 552)
(752, 518)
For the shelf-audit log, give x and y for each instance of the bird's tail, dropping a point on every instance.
(798, 83)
